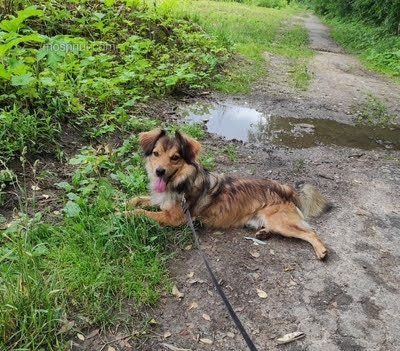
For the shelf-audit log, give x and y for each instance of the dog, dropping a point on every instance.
(222, 201)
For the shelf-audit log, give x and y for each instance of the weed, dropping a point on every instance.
(230, 150)
(195, 130)
(19, 130)
(252, 170)
(373, 111)
(299, 165)
(396, 160)
(300, 75)
(7, 176)
(207, 160)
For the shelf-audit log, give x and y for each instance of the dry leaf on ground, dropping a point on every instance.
(206, 317)
(193, 305)
(262, 294)
(290, 337)
(206, 341)
(176, 292)
(173, 348)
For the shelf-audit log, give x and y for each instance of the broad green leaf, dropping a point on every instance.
(35, 37)
(109, 2)
(77, 160)
(132, 3)
(23, 79)
(64, 185)
(4, 73)
(73, 197)
(99, 15)
(19, 68)
(47, 81)
(54, 57)
(13, 24)
(71, 209)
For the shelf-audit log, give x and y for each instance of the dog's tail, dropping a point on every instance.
(310, 202)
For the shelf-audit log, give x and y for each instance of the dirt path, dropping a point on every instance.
(351, 301)
(340, 80)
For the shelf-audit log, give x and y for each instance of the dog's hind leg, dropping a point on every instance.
(285, 219)
(263, 234)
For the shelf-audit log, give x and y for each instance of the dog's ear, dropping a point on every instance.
(147, 140)
(189, 147)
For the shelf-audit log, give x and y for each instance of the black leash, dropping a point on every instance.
(232, 313)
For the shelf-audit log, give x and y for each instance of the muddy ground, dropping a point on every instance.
(349, 302)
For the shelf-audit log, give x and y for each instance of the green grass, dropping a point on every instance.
(207, 159)
(249, 30)
(374, 112)
(377, 49)
(231, 152)
(300, 75)
(82, 265)
(299, 165)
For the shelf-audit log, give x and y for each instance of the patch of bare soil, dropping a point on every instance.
(350, 302)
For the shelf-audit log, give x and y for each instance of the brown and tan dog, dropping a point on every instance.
(222, 201)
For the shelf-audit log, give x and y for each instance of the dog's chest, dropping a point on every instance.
(165, 200)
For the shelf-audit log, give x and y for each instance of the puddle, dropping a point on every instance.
(246, 124)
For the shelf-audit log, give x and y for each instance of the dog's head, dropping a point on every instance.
(169, 158)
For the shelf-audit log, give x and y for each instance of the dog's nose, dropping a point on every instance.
(160, 171)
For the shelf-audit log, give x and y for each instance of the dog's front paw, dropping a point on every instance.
(138, 201)
(138, 212)
(135, 201)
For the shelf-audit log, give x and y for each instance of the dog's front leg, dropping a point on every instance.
(173, 216)
(139, 201)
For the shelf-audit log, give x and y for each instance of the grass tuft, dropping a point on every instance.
(374, 112)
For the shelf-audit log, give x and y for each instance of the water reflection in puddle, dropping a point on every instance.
(246, 124)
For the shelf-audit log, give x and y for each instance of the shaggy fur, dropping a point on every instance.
(222, 201)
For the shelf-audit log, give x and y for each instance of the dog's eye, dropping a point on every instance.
(156, 154)
(175, 158)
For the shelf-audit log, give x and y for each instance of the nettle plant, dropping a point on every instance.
(90, 64)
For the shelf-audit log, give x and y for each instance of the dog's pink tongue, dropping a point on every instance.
(159, 185)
